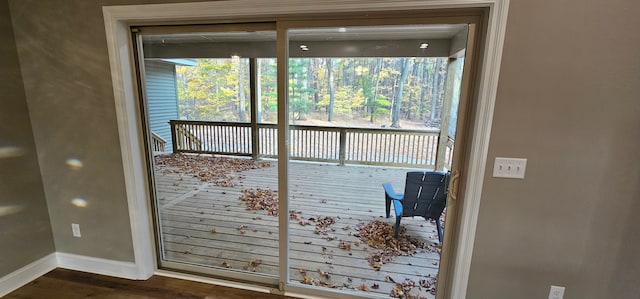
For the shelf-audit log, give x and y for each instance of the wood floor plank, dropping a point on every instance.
(67, 284)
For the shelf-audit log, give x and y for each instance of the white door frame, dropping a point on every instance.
(117, 18)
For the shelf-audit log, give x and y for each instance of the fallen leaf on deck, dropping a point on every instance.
(294, 215)
(252, 264)
(216, 170)
(307, 279)
(379, 235)
(403, 290)
(390, 279)
(344, 245)
(261, 199)
(324, 274)
(304, 222)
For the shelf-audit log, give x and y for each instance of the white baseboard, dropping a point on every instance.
(26, 274)
(94, 265)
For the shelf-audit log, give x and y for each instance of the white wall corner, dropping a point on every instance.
(100, 266)
(26, 274)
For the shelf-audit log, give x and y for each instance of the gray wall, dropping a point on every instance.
(162, 98)
(67, 81)
(62, 49)
(569, 101)
(25, 230)
(574, 112)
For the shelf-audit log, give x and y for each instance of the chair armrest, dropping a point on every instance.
(397, 207)
(388, 189)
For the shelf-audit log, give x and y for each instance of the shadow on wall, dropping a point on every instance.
(623, 275)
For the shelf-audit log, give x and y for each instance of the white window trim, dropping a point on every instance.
(116, 19)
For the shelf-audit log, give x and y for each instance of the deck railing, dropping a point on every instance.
(158, 143)
(184, 139)
(313, 143)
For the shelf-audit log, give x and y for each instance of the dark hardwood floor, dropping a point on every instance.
(67, 284)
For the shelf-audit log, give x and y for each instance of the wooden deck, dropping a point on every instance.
(208, 225)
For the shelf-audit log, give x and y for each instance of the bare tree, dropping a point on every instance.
(437, 91)
(397, 103)
(332, 92)
(376, 70)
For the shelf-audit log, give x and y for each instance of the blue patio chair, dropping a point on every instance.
(425, 194)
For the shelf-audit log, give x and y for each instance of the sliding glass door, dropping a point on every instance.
(269, 144)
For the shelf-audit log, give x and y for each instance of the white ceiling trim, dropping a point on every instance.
(256, 8)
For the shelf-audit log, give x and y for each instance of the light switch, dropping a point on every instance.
(75, 229)
(512, 168)
(556, 292)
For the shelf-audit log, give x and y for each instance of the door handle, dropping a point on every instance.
(455, 177)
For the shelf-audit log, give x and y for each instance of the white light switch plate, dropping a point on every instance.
(75, 228)
(512, 168)
(556, 292)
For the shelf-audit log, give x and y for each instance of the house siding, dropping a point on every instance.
(162, 98)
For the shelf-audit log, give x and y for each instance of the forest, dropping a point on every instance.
(345, 91)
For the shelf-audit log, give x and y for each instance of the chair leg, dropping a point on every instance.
(440, 232)
(396, 230)
(388, 206)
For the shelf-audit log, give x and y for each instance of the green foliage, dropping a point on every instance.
(299, 108)
(346, 100)
(209, 90)
(268, 89)
(381, 107)
(213, 89)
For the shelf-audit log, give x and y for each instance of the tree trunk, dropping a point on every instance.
(314, 81)
(444, 63)
(378, 68)
(423, 81)
(395, 111)
(330, 86)
(435, 95)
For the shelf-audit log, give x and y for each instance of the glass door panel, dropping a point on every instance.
(210, 108)
(367, 105)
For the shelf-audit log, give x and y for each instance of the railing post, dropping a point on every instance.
(441, 150)
(343, 146)
(254, 92)
(255, 142)
(174, 143)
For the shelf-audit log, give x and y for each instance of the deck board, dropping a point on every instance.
(190, 209)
